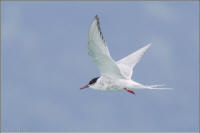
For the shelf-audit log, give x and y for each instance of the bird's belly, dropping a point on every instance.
(108, 85)
(112, 88)
(109, 88)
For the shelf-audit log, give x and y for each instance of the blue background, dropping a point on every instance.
(45, 61)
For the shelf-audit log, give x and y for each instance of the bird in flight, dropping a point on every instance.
(115, 75)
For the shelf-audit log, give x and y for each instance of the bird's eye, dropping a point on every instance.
(94, 80)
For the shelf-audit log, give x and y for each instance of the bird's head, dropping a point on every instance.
(91, 83)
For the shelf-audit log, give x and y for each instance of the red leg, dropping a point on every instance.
(130, 91)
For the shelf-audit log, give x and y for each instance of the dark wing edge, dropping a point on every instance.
(99, 28)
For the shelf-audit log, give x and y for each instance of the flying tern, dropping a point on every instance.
(115, 75)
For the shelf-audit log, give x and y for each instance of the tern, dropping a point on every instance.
(115, 75)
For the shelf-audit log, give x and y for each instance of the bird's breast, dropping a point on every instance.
(107, 84)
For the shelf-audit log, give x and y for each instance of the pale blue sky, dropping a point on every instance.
(45, 62)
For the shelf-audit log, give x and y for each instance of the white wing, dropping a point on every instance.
(127, 64)
(99, 52)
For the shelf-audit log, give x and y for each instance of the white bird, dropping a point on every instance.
(114, 75)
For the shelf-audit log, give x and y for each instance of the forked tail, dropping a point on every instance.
(159, 87)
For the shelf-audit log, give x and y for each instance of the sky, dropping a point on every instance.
(45, 62)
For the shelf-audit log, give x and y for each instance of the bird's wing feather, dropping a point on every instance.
(99, 52)
(127, 63)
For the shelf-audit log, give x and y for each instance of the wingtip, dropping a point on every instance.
(96, 17)
(149, 44)
(96, 21)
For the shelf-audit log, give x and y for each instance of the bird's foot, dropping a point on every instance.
(130, 91)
